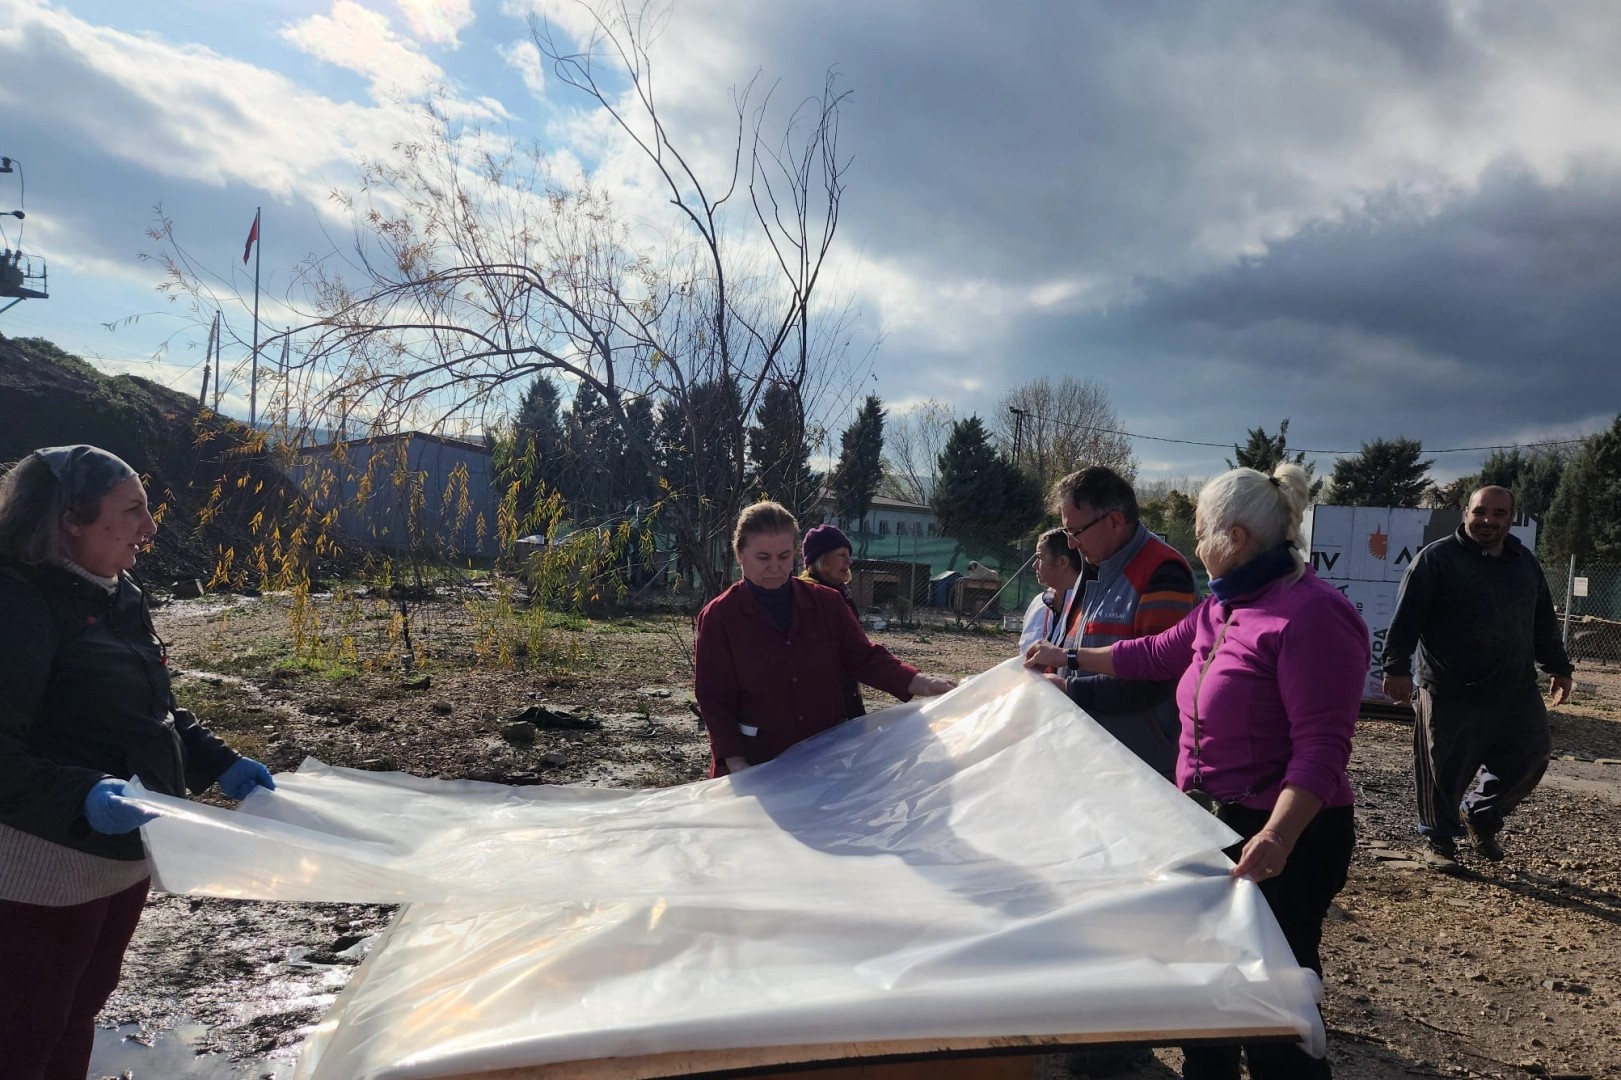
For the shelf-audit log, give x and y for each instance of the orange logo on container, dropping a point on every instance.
(1378, 544)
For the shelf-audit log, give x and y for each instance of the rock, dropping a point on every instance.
(654, 691)
(555, 719)
(443, 708)
(419, 682)
(519, 733)
(380, 764)
(189, 589)
(554, 759)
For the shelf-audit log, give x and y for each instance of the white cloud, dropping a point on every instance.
(360, 40)
(184, 111)
(524, 58)
(438, 21)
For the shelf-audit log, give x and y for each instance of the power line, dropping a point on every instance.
(1023, 413)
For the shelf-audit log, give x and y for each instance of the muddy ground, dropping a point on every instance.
(1508, 970)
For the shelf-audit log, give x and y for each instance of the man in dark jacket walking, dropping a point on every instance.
(1478, 611)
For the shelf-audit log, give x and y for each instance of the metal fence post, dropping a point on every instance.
(1570, 592)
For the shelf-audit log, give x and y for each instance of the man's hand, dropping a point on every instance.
(1058, 681)
(735, 765)
(1560, 687)
(1398, 688)
(1043, 655)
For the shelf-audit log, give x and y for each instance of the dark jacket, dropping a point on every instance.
(854, 706)
(1480, 623)
(84, 694)
(761, 690)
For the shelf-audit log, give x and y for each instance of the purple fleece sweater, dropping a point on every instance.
(1273, 698)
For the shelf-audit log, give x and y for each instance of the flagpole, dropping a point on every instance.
(219, 376)
(208, 358)
(253, 384)
(286, 390)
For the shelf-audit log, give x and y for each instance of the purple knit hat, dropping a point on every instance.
(821, 539)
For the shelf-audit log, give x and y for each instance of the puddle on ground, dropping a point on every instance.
(121, 1052)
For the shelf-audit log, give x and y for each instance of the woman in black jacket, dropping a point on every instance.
(85, 705)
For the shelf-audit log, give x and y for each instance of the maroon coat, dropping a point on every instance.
(785, 687)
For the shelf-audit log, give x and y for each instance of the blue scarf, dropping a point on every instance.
(1255, 575)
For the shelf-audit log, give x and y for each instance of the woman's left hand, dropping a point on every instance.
(929, 685)
(1263, 857)
(245, 774)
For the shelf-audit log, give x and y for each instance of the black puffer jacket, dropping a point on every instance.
(84, 694)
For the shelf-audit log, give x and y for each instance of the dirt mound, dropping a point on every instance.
(214, 486)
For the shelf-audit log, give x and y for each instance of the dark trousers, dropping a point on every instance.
(1485, 755)
(58, 967)
(1299, 898)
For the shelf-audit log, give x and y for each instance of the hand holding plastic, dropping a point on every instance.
(242, 777)
(109, 812)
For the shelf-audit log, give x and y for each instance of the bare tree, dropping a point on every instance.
(1051, 428)
(913, 441)
(474, 268)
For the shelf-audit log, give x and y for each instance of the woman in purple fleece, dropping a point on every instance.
(1271, 668)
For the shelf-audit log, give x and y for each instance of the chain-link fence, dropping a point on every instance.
(1587, 597)
(907, 567)
(914, 571)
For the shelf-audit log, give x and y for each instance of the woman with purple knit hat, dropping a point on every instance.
(826, 552)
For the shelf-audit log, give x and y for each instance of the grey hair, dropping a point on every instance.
(32, 505)
(1269, 508)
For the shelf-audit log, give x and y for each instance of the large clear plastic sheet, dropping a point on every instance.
(986, 863)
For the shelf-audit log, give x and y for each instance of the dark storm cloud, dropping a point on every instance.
(1493, 317)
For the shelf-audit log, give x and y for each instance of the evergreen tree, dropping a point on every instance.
(699, 490)
(1387, 472)
(1585, 519)
(593, 442)
(604, 477)
(861, 463)
(1453, 496)
(532, 455)
(779, 456)
(1171, 516)
(979, 494)
(635, 489)
(1264, 453)
(1533, 476)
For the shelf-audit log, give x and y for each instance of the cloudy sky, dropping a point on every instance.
(1379, 218)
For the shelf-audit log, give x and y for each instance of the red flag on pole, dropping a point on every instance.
(253, 235)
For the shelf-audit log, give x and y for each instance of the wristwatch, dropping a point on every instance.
(1072, 660)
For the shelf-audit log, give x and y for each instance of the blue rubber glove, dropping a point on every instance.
(242, 777)
(108, 811)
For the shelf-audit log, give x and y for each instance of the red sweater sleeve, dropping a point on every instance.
(866, 662)
(715, 684)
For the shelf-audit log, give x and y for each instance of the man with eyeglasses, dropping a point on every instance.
(1134, 585)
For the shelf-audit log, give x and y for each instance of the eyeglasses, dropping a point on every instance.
(1075, 534)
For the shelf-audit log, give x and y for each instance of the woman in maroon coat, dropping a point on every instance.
(774, 652)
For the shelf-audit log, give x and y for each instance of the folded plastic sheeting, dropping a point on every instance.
(988, 863)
